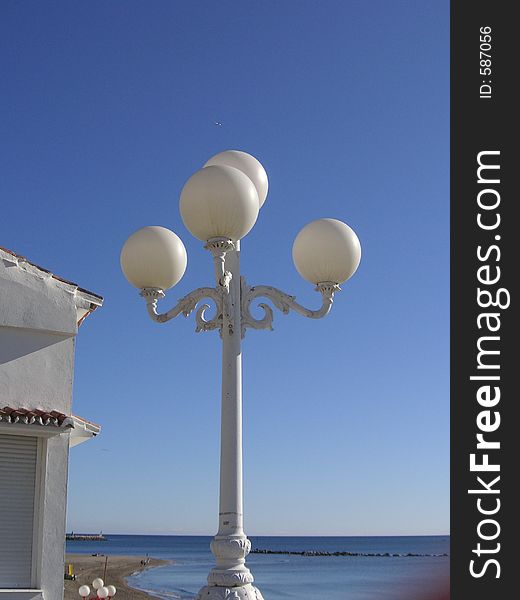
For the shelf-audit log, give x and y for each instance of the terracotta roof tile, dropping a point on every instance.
(26, 416)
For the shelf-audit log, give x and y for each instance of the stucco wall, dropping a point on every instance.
(20, 595)
(42, 378)
(54, 511)
(33, 299)
(38, 325)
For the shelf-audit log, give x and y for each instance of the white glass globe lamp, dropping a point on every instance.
(219, 201)
(247, 164)
(111, 590)
(153, 257)
(84, 591)
(102, 592)
(97, 583)
(326, 251)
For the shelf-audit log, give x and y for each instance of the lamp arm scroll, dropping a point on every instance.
(186, 305)
(283, 302)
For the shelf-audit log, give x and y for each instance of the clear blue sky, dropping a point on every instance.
(108, 107)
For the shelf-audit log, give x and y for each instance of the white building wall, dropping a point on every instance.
(40, 379)
(54, 512)
(38, 324)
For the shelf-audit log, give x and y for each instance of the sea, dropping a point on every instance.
(292, 576)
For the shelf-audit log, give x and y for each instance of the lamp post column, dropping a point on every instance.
(220, 203)
(230, 546)
(230, 507)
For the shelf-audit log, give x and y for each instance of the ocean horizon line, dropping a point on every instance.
(302, 535)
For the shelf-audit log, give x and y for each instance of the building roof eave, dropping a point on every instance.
(82, 430)
(48, 423)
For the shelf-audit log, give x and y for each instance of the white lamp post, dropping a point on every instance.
(219, 205)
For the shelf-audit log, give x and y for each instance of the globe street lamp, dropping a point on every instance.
(100, 590)
(219, 205)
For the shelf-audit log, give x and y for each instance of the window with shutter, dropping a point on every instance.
(18, 462)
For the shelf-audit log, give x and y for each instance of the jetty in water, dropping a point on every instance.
(325, 553)
(85, 537)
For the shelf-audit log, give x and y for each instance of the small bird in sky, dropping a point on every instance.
(218, 123)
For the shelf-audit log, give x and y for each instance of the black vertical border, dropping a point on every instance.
(479, 125)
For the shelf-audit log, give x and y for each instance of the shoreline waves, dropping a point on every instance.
(284, 567)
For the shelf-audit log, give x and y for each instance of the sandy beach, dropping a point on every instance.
(87, 568)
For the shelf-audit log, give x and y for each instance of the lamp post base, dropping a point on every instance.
(230, 579)
(217, 592)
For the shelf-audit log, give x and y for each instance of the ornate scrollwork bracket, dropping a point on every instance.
(283, 302)
(220, 294)
(186, 306)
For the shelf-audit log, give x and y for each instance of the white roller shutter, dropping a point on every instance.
(18, 456)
